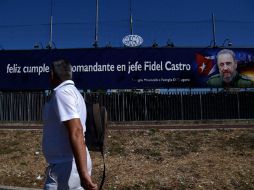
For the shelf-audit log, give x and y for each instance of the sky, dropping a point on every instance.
(186, 23)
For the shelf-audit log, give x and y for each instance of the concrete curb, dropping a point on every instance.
(16, 188)
(168, 124)
(159, 122)
(185, 122)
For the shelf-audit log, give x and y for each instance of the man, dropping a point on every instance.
(228, 75)
(63, 143)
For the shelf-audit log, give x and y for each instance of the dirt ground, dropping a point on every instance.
(148, 159)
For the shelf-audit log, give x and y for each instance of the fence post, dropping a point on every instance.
(201, 107)
(182, 105)
(123, 107)
(1, 106)
(145, 107)
(238, 106)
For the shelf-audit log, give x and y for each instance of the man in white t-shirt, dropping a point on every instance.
(63, 143)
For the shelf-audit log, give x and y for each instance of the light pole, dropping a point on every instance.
(131, 21)
(49, 46)
(96, 25)
(213, 25)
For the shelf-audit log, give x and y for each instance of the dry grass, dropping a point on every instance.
(149, 159)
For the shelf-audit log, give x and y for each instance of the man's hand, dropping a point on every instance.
(87, 184)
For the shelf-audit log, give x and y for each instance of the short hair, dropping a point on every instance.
(62, 69)
(226, 51)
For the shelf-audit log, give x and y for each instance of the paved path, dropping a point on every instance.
(142, 125)
(16, 188)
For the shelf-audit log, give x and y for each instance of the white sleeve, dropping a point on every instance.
(66, 105)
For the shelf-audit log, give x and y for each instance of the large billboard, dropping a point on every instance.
(131, 68)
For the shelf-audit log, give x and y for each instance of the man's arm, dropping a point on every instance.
(76, 138)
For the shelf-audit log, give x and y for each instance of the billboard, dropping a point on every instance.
(129, 68)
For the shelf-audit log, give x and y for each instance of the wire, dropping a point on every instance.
(126, 20)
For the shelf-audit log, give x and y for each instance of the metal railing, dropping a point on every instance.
(133, 106)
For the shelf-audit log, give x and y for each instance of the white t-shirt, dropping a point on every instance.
(66, 103)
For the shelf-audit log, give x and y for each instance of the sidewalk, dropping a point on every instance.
(165, 124)
(16, 188)
(183, 124)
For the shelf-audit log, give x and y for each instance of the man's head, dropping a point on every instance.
(60, 71)
(227, 65)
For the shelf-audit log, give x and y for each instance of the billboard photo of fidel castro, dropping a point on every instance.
(228, 75)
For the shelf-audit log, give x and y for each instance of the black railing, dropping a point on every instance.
(133, 106)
